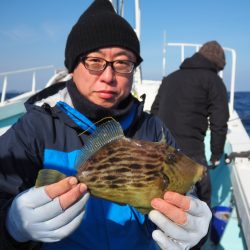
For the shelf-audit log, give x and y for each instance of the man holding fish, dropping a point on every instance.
(86, 168)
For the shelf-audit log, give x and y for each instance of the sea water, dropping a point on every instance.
(242, 106)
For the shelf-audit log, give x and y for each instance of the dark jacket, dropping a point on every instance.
(185, 101)
(45, 131)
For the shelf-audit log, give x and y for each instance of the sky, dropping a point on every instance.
(33, 33)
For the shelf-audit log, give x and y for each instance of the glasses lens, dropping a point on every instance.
(123, 66)
(94, 63)
(99, 64)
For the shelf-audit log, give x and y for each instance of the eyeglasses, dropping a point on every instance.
(99, 64)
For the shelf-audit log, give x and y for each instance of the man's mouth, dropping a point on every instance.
(106, 94)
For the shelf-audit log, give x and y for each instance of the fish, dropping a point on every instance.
(129, 171)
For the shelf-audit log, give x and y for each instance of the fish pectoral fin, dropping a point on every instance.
(48, 176)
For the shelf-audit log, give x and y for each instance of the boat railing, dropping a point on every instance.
(119, 7)
(184, 46)
(33, 72)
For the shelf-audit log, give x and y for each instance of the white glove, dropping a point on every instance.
(33, 215)
(172, 236)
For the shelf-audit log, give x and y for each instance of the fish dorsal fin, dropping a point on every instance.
(104, 134)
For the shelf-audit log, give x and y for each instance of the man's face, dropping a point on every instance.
(105, 88)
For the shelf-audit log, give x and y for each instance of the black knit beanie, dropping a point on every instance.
(214, 53)
(99, 27)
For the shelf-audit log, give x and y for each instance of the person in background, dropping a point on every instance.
(193, 99)
(102, 52)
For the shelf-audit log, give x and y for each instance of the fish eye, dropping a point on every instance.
(170, 158)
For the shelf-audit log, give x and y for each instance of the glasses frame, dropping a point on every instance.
(107, 63)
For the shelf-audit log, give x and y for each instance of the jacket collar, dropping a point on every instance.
(197, 61)
(46, 100)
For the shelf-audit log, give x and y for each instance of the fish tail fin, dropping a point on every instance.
(48, 176)
(104, 134)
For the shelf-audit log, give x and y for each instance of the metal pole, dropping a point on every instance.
(138, 19)
(33, 88)
(138, 73)
(182, 53)
(164, 55)
(121, 8)
(4, 90)
(231, 105)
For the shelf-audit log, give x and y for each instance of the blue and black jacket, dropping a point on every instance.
(48, 136)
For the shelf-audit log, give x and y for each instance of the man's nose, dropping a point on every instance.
(108, 74)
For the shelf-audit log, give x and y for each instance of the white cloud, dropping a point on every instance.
(49, 29)
(52, 31)
(46, 31)
(21, 33)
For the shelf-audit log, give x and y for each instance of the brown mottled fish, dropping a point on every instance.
(129, 171)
